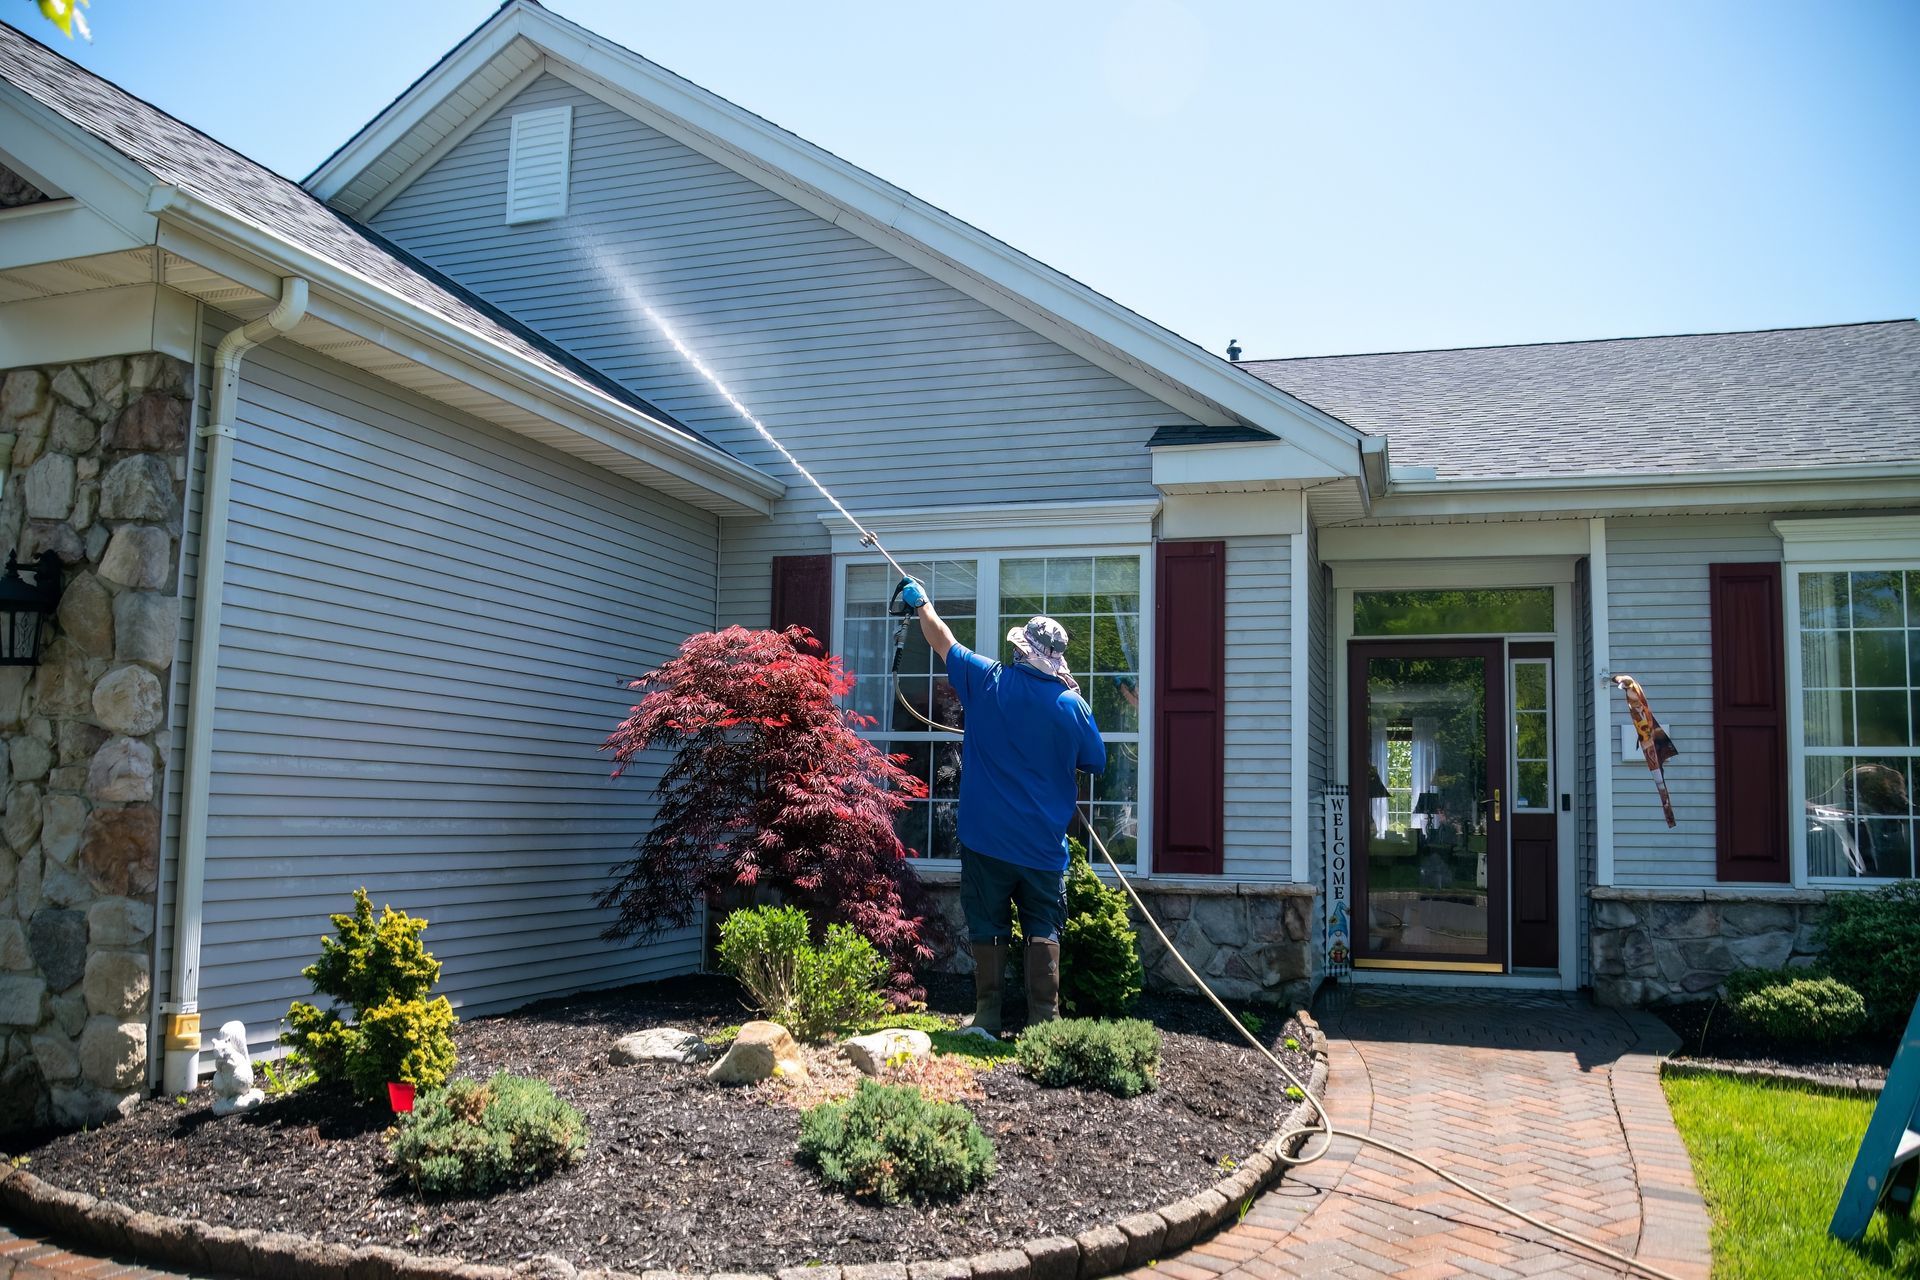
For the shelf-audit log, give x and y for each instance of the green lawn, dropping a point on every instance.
(1770, 1161)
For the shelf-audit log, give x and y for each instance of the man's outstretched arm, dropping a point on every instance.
(939, 635)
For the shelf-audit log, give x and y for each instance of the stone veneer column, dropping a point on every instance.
(95, 463)
(1666, 946)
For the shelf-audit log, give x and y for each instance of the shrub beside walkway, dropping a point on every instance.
(1543, 1100)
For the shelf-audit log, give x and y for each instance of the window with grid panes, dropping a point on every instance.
(1859, 634)
(1097, 599)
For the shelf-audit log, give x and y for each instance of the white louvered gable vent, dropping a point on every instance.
(537, 164)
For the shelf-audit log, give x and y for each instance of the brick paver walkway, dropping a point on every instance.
(1545, 1101)
(1542, 1100)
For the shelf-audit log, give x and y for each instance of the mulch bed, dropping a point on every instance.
(681, 1174)
(1709, 1037)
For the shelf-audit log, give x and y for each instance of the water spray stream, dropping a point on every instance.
(1322, 1126)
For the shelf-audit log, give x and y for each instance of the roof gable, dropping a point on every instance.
(435, 113)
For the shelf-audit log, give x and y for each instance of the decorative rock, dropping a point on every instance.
(13, 687)
(933, 1269)
(872, 1053)
(138, 488)
(79, 740)
(129, 701)
(660, 1044)
(1000, 1264)
(58, 941)
(61, 686)
(119, 922)
(56, 536)
(117, 982)
(63, 886)
(96, 543)
(1103, 1249)
(23, 999)
(155, 423)
(86, 501)
(48, 487)
(122, 771)
(69, 1013)
(233, 1072)
(155, 372)
(56, 1056)
(72, 432)
(68, 385)
(14, 954)
(70, 779)
(1145, 1232)
(63, 817)
(107, 380)
(113, 1054)
(29, 758)
(23, 396)
(1053, 1258)
(1185, 1220)
(145, 627)
(21, 826)
(119, 848)
(23, 1096)
(139, 556)
(26, 892)
(762, 1050)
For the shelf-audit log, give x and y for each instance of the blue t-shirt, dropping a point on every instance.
(1026, 734)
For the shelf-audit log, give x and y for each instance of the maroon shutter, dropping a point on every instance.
(803, 595)
(1189, 707)
(1749, 723)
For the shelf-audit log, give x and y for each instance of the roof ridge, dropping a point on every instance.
(1585, 342)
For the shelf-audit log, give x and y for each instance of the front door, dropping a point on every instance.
(1430, 784)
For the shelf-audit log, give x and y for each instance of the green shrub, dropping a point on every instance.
(1121, 1056)
(379, 970)
(471, 1138)
(1873, 945)
(1100, 971)
(891, 1142)
(1794, 1005)
(812, 991)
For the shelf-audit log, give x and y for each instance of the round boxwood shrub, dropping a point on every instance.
(471, 1138)
(1795, 1006)
(1873, 945)
(892, 1143)
(1121, 1056)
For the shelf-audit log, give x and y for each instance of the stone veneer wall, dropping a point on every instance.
(1256, 942)
(95, 463)
(1663, 946)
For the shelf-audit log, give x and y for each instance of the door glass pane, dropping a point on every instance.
(1488, 611)
(1427, 863)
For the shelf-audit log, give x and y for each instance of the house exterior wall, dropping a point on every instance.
(95, 457)
(1259, 721)
(898, 390)
(1660, 633)
(425, 623)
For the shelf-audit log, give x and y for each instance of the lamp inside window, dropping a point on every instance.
(24, 606)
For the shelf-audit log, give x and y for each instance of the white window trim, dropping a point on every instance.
(987, 607)
(1828, 546)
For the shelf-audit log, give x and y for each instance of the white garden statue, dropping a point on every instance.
(233, 1073)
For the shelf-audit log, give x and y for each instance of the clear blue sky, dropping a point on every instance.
(1306, 177)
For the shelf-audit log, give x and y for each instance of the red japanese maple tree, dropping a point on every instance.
(768, 785)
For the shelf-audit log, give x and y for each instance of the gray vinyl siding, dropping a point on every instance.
(1585, 817)
(1320, 709)
(1259, 712)
(1660, 624)
(426, 620)
(896, 389)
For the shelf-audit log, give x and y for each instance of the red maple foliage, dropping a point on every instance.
(769, 785)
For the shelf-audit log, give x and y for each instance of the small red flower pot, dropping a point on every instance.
(401, 1096)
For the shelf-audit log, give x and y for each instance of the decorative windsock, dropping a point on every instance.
(1654, 742)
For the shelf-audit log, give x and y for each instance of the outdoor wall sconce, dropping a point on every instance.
(23, 605)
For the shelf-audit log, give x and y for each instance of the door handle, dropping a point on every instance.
(1495, 802)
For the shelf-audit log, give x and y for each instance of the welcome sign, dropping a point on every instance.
(1339, 942)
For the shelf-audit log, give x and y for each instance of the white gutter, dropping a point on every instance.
(183, 1023)
(1618, 480)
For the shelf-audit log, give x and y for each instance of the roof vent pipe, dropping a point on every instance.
(183, 1007)
(1233, 350)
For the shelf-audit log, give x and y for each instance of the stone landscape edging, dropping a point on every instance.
(191, 1244)
(1844, 1086)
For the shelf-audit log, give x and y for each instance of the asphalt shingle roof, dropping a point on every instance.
(177, 153)
(1832, 396)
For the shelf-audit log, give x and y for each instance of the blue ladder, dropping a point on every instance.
(1892, 1139)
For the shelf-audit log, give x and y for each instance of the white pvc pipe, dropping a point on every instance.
(181, 1069)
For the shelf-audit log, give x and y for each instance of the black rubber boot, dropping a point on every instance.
(989, 975)
(1043, 981)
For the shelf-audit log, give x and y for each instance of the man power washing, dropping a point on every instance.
(1027, 731)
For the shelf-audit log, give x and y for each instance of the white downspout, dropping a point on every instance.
(183, 1021)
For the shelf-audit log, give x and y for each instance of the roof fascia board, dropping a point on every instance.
(80, 165)
(393, 190)
(1091, 326)
(479, 48)
(1236, 466)
(350, 303)
(1631, 495)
